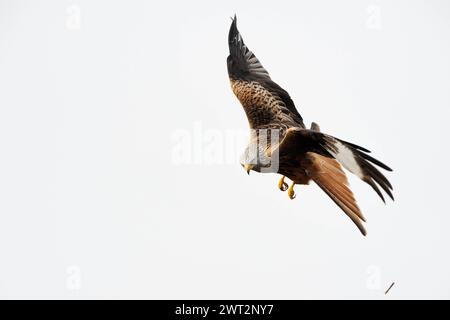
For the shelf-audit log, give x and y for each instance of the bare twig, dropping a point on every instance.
(389, 288)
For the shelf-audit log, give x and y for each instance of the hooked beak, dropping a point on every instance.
(248, 167)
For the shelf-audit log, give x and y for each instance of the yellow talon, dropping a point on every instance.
(283, 186)
(291, 192)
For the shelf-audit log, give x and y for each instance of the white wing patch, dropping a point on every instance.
(345, 156)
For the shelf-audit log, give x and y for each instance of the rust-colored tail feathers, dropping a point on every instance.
(330, 177)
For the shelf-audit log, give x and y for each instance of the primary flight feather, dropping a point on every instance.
(280, 142)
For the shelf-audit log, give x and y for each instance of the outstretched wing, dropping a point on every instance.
(327, 173)
(320, 156)
(266, 104)
(351, 156)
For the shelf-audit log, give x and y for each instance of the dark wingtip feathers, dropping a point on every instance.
(374, 161)
(355, 146)
(369, 181)
(374, 175)
(233, 34)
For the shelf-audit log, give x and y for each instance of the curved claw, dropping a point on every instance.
(283, 186)
(291, 192)
(291, 195)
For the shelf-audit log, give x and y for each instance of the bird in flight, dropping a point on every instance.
(280, 142)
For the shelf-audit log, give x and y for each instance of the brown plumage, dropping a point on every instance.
(280, 142)
(327, 173)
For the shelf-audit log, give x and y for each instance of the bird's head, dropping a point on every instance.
(249, 160)
(255, 158)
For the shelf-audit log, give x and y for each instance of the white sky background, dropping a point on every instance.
(93, 95)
